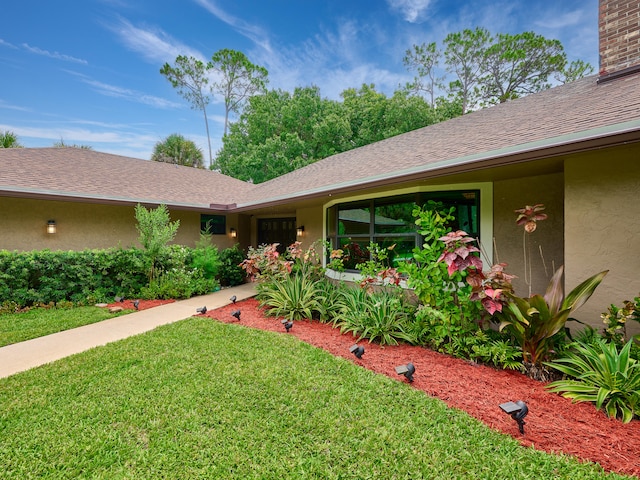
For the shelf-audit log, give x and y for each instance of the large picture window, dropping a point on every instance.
(388, 221)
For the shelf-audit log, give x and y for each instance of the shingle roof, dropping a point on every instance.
(563, 114)
(87, 174)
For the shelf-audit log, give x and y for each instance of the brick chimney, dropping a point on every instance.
(619, 32)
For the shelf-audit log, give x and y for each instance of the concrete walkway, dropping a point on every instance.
(39, 351)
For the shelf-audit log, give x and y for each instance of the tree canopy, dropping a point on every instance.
(178, 150)
(9, 139)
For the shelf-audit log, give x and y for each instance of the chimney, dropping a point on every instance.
(619, 32)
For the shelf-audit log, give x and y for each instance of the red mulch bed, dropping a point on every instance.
(554, 424)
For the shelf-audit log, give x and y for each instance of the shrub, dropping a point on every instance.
(292, 297)
(602, 375)
(230, 272)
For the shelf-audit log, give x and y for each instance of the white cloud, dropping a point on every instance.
(153, 44)
(56, 55)
(413, 11)
(130, 95)
(9, 106)
(7, 44)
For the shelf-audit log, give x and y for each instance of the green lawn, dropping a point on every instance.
(38, 322)
(202, 399)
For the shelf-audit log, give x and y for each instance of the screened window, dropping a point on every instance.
(352, 226)
(214, 224)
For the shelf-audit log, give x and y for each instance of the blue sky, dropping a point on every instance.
(87, 71)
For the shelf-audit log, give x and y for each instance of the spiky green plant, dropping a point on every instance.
(602, 375)
(292, 297)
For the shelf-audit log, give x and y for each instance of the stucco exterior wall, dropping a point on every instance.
(83, 225)
(509, 195)
(312, 220)
(602, 195)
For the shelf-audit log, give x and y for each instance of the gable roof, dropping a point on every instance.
(87, 175)
(577, 116)
(554, 121)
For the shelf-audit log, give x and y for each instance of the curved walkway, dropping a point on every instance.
(39, 351)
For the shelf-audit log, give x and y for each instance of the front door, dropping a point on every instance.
(277, 230)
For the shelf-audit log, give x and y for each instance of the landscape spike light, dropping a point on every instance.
(233, 299)
(119, 299)
(287, 324)
(407, 370)
(236, 314)
(518, 410)
(202, 310)
(357, 350)
(136, 304)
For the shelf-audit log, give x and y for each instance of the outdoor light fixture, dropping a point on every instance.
(407, 370)
(136, 304)
(233, 299)
(119, 299)
(202, 310)
(518, 410)
(51, 226)
(357, 350)
(287, 324)
(300, 230)
(236, 314)
(233, 232)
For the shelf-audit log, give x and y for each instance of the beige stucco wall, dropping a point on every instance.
(312, 220)
(83, 225)
(513, 194)
(602, 197)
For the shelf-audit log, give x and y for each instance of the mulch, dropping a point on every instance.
(554, 424)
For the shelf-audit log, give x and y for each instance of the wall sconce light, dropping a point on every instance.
(518, 410)
(233, 232)
(407, 370)
(300, 230)
(51, 226)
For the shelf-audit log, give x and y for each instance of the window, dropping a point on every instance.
(214, 224)
(352, 226)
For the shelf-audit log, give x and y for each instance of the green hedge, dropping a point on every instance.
(90, 276)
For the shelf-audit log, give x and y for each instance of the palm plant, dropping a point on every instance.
(602, 375)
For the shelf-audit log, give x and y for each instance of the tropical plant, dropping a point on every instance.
(534, 321)
(615, 320)
(603, 375)
(178, 150)
(156, 231)
(9, 139)
(292, 297)
(231, 272)
(205, 256)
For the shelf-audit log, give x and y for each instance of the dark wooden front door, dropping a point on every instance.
(277, 230)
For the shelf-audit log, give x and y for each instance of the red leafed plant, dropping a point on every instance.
(529, 216)
(458, 252)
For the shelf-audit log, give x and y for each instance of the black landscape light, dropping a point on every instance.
(407, 370)
(233, 299)
(202, 310)
(236, 314)
(287, 324)
(518, 410)
(119, 299)
(357, 350)
(136, 304)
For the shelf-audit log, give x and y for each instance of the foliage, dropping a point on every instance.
(9, 139)
(379, 316)
(156, 231)
(176, 149)
(231, 272)
(63, 144)
(178, 283)
(328, 300)
(534, 321)
(377, 270)
(237, 80)
(205, 257)
(603, 375)
(479, 346)
(292, 297)
(423, 59)
(189, 76)
(615, 320)
(265, 263)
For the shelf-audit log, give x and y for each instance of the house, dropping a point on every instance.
(574, 148)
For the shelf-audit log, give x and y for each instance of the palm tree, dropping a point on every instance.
(9, 140)
(178, 150)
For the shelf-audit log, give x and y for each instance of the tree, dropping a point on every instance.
(464, 55)
(156, 231)
(574, 71)
(424, 59)
(178, 150)
(238, 80)
(189, 76)
(9, 140)
(62, 144)
(520, 64)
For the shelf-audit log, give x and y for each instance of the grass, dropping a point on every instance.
(38, 322)
(202, 399)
